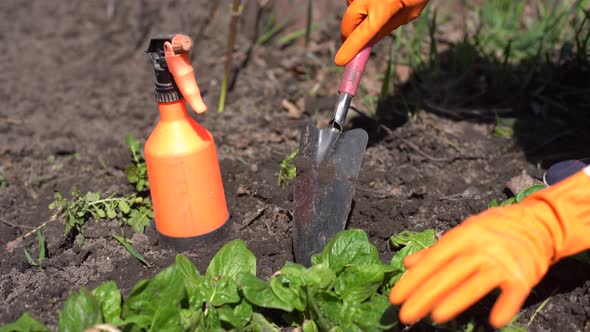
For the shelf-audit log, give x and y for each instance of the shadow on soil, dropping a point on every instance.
(544, 106)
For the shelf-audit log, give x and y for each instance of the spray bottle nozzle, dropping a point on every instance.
(175, 78)
(166, 89)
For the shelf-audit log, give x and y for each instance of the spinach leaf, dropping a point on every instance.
(288, 284)
(166, 318)
(192, 281)
(191, 320)
(109, 298)
(260, 293)
(345, 248)
(219, 291)
(260, 324)
(528, 191)
(412, 242)
(310, 326)
(359, 282)
(166, 289)
(25, 323)
(329, 312)
(80, 311)
(319, 276)
(377, 314)
(233, 258)
(238, 317)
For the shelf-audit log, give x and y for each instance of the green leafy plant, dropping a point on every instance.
(25, 323)
(136, 171)
(134, 210)
(504, 127)
(345, 289)
(288, 171)
(411, 242)
(3, 181)
(519, 197)
(498, 23)
(41, 257)
(131, 210)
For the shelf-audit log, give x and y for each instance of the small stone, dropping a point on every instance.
(521, 182)
(243, 190)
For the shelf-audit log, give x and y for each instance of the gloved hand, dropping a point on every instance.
(508, 247)
(365, 19)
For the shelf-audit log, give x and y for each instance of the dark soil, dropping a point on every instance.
(76, 82)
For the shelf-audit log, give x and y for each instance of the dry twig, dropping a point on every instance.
(13, 225)
(11, 245)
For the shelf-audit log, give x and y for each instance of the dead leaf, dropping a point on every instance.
(294, 111)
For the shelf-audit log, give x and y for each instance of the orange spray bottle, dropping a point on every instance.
(183, 169)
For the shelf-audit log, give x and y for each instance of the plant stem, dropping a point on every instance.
(308, 23)
(236, 11)
(104, 200)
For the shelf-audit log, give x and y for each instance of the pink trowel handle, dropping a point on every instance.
(353, 71)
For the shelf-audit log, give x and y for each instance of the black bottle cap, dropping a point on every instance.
(166, 88)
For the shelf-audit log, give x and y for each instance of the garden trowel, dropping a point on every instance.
(329, 161)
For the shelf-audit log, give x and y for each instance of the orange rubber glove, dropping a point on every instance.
(508, 247)
(364, 20)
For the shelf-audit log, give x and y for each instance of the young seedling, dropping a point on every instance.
(137, 171)
(3, 181)
(41, 242)
(291, 37)
(272, 28)
(288, 170)
(504, 127)
(127, 245)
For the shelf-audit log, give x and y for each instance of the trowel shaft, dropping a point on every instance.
(342, 106)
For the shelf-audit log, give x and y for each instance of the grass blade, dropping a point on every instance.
(292, 36)
(273, 31)
(131, 250)
(30, 259)
(41, 241)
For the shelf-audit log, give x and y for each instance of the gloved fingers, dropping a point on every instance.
(508, 303)
(351, 47)
(413, 259)
(410, 11)
(413, 8)
(360, 25)
(433, 260)
(465, 295)
(354, 15)
(425, 296)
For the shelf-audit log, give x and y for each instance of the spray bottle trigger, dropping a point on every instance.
(181, 69)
